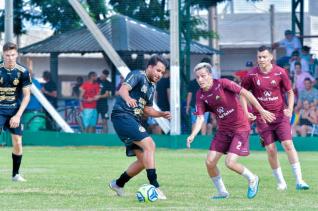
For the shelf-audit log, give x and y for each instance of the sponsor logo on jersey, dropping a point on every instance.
(273, 82)
(142, 129)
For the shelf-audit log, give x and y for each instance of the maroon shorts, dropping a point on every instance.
(277, 131)
(236, 142)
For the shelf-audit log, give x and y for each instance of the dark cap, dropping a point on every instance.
(287, 32)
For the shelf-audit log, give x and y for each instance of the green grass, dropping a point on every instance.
(76, 179)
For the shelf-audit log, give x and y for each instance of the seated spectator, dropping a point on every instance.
(291, 43)
(300, 77)
(296, 59)
(307, 117)
(309, 94)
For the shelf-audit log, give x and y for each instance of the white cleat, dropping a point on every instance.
(161, 195)
(281, 186)
(119, 191)
(18, 178)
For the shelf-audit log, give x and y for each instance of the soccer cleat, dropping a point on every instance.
(161, 195)
(119, 190)
(223, 195)
(253, 188)
(281, 186)
(18, 178)
(302, 186)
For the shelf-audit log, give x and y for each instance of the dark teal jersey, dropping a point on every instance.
(12, 81)
(142, 90)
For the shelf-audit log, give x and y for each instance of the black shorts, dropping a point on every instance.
(103, 111)
(129, 130)
(5, 124)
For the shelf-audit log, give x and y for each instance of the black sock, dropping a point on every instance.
(16, 160)
(152, 177)
(123, 179)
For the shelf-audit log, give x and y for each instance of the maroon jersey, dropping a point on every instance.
(222, 100)
(268, 88)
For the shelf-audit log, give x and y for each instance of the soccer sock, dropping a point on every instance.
(218, 183)
(248, 175)
(123, 179)
(152, 177)
(278, 174)
(297, 172)
(16, 162)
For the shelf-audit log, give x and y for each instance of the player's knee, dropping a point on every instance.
(210, 163)
(229, 163)
(271, 151)
(17, 148)
(289, 147)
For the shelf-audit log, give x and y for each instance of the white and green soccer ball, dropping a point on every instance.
(147, 193)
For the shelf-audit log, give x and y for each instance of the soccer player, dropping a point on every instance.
(134, 100)
(15, 80)
(269, 83)
(220, 96)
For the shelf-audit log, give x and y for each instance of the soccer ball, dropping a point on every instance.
(147, 193)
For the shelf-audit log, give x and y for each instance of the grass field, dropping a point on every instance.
(76, 179)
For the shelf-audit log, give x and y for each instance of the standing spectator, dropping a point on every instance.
(300, 77)
(190, 107)
(309, 93)
(14, 81)
(163, 92)
(105, 87)
(291, 43)
(89, 96)
(49, 90)
(76, 89)
(34, 105)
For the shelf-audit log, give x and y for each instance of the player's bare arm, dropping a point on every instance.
(196, 129)
(266, 115)
(124, 93)
(15, 120)
(291, 97)
(150, 111)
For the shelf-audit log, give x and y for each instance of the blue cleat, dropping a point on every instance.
(253, 188)
(302, 186)
(221, 196)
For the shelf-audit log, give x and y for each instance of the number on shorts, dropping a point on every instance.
(239, 144)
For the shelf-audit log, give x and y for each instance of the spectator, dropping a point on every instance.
(309, 94)
(49, 90)
(296, 58)
(190, 107)
(163, 92)
(307, 117)
(291, 43)
(89, 95)
(102, 104)
(300, 77)
(34, 104)
(76, 88)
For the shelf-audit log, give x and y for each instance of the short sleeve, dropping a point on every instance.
(286, 84)
(200, 107)
(231, 86)
(132, 79)
(26, 79)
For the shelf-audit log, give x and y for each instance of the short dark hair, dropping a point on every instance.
(206, 60)
(287, 32)
(105, 72)
(90, 74)
(47, 75)
(154, 59)
(306, 48)
(264, 48)
(295, 53)
(297, 63)
(307, 79)
(9, 46)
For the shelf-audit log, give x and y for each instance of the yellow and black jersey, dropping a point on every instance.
(12, 81)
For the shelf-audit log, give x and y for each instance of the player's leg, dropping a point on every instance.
(294, 162)
(283, 132)
(149, 147)
(211, 164)
(134, 169)
(16, 157)
(240, 147)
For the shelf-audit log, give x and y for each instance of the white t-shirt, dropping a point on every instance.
(290, 46)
